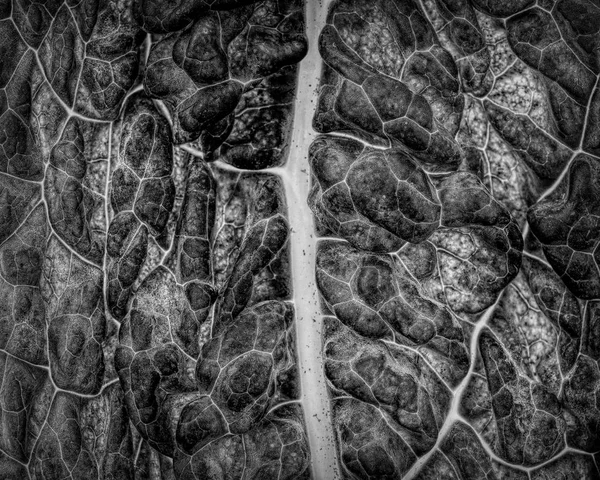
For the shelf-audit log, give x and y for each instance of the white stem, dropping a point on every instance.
(296, 178)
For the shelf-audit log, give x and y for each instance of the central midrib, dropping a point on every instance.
(309, 318)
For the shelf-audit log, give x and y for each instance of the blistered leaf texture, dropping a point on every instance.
(293, 240)
(454, 188)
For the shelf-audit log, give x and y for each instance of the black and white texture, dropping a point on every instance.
(300, 239)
